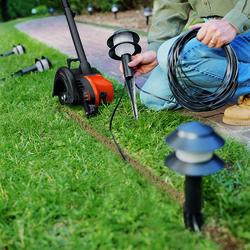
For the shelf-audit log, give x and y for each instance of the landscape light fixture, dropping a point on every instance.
(123, 45)
(148, 12)
(115, 10)
(41, 65)
(51, 10)
(17, 50)
(194, 143)
(90, 9)
(34, 11)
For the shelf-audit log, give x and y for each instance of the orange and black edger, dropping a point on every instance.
(81, 86)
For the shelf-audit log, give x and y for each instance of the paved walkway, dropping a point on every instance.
(54, 32)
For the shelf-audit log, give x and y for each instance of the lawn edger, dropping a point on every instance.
(83, 85)
(16, 50)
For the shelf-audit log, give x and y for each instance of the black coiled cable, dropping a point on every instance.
(191, 95)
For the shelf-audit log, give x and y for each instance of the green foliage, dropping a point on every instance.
(105, 5)
(56, 4)
(12, 9)
(20, 8)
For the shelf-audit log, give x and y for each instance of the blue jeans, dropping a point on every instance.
(202, 65)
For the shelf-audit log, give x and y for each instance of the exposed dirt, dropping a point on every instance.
(133, 19)
(224, 238)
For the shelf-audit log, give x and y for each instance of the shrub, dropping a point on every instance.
(20, 8)
(56, 4)
(105, 5)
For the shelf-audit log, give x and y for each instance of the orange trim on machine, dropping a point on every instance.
(101, 85)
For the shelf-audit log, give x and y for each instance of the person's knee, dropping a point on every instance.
(155, 91)
(193, 50)
(162, 55)
(158, 104)
(196, 50)
(151, 102)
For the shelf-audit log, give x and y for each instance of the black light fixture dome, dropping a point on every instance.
(123, 42)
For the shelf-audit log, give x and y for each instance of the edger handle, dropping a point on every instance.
(65, 4)
(84, 65)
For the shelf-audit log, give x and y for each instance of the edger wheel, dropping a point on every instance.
(65, 87)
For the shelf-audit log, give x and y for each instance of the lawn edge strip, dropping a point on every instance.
(222, 236)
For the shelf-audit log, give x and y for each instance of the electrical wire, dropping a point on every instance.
(111, 125)
(170, 100)
(120, 150)
(186, 92)
(191, 95)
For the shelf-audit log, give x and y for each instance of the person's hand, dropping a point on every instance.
(216, 33)
(143, 63)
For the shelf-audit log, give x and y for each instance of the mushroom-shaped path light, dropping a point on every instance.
(123, 45)
(115, 10)
(148, 12)
(194, 143)
(90, 9)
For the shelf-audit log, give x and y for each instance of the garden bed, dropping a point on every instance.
(133, 19)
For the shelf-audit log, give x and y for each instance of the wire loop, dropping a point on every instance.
(190, 94)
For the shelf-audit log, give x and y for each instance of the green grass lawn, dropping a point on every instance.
(60, 188)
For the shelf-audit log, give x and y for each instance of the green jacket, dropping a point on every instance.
(171, 16)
